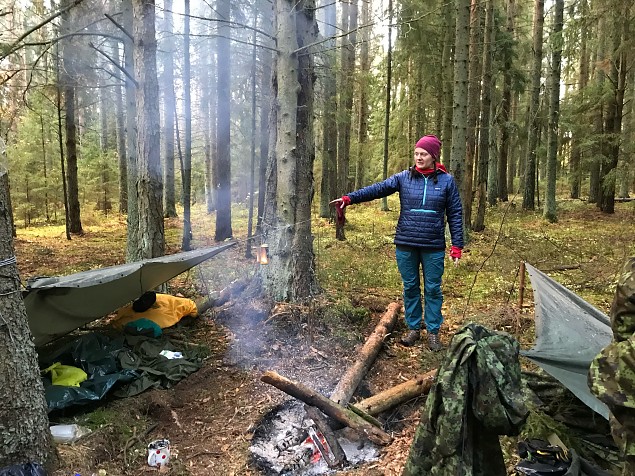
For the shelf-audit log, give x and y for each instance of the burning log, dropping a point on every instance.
(328, 407)
(337, 453)
(367, 355)
(397, 395)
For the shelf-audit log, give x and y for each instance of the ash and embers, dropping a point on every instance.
(281, 444)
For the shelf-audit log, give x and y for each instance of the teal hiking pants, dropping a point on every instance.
(410, 260)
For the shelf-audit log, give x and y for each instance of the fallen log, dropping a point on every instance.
(367, 355)
(328, 407)
(398, 394)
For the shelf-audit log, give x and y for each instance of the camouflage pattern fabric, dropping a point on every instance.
(612, 372)
(476, 397)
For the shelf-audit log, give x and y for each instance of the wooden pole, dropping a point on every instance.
(367, 355)
(328, 407)
(521, 286)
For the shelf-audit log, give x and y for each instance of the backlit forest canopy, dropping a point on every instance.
(528, 97)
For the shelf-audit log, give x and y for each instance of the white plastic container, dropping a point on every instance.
(68, 433)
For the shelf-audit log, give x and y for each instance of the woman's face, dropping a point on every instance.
(423, 159)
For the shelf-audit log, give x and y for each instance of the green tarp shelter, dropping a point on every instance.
(570, 332)
(56, 306)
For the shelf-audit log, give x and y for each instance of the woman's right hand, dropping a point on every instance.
(338, 202)
(341, 202)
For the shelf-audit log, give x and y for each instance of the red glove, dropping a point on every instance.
(456, 252)
(346, 200)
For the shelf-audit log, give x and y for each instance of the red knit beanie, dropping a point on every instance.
(431, 144)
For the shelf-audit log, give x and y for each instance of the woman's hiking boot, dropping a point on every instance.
(412, 336)
(434, 344)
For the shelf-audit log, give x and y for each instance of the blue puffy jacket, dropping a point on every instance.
(424, 206)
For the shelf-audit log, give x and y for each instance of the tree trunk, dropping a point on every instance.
(223, 125)
(347, 78)
(599, 77)
(575, 162)
(473, 107)
(533, 117)
(252, 138)
(169, 109)
(328, 184)
(150, 187)
(556, 41)
(265, 111)
(121, 133)
(398, 394)
(24, 425)
(384, 200)
(287, 227)
(68, 80)
(448, 72)
(133, 249)
(365, 357)
(486, 102)
(364, 74)
(460, 95)
(186, 173)
(613, 122)
(506, 103)
(328, 407)
(209, 96)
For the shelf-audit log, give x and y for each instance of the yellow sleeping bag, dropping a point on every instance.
(166, 311)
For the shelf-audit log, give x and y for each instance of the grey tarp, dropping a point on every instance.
(56, 306)
(570, 332)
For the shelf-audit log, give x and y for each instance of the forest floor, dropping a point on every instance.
(211, 417)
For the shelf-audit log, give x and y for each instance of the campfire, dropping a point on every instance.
(288, 441)
(327, 433)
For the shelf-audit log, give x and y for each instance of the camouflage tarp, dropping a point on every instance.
(476, 397)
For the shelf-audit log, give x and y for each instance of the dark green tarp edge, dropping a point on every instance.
(56, 306)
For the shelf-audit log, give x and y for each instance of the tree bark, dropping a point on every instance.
(223, 125)
(150, 186)
(505, 144)
(533, 116)
(362, 121)
(613, 121)
(550, 212)
(460, 95)
(287, 227)
(473, 108)
(448, 72)
(328, 407)
(68, 80)
(365, 356)
(133, 250)
(121, 133)
(486, 102)
(186, 173)
(398, 394)
(169, 110)
(384, 200)
(328, 184)
(24, 425)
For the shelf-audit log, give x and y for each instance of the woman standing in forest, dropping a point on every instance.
(427, 194)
